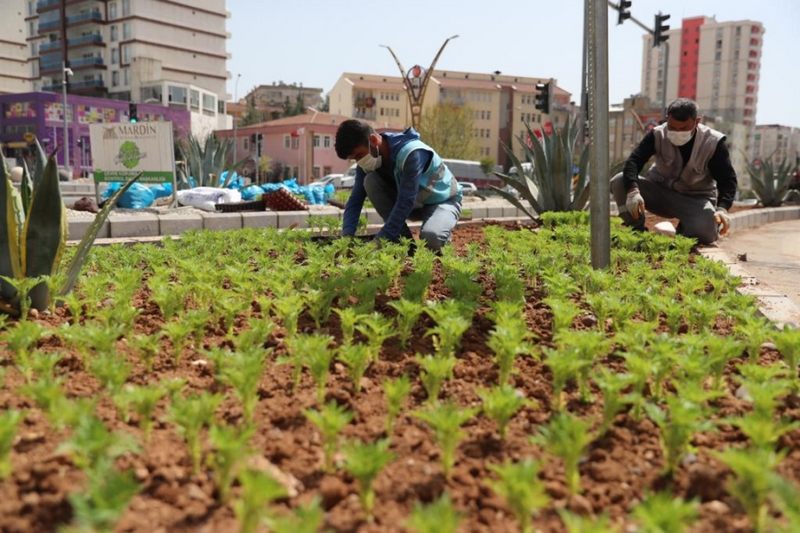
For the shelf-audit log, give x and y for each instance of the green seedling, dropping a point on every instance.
(501, 403)
(348, 317)
(564, 312)
(763, 432)
(566, 437)
(242, 371)
(319, 302)
(788, 343)
(439, 516)
(673, 314)
(446, 419)
(258, 490)
(142, 401)
(365, 291)
(330, 420)
(38, 364)
(364, 461)
(192, 414)
(752, 334)
(103, 500)
(565, 365)
(720, 351)
(357, 358)
(178, 332)
(300, 348)
(518, 484)
(23, 288)
(678, 423)
(451, 324)
(229, 450)
(288, 309)
(197, 319)
(614, 401)
(255, 337)
(22, 339)
(763, 387)
(147, 348)
(319, 363)
(94, 337)
(227, 308)
(587, 524)
(376, 328)
(110, 371)
(9, 420)
(509, 285)
(92, 446)
(303, 519)
(396, 391)
(435, 370)
(168, 296)
(415, 286)
(408, 313)
(663, 513)
(508, 339)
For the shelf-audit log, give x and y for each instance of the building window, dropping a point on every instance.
(194, 100)
(287, 141)
(34, 49)
(295, 143)
(112, 10)
(220, 106)
(177, 95)
(126, 8)
(209, 104)
(125, 79)
(126, 31)
(326, 143)
(316, 141)
(115, 78)
(114, 33)
(246, 143)
(115, 56)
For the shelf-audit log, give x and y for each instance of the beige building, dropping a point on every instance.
(16, 27)
(276, 96)
(776, 141)
(154, 51)
(628, 123)
(500, 105)
(717, 64)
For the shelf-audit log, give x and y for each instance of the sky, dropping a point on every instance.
(314, 41)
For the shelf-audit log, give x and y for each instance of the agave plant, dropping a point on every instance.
(204, 161)
(33, 235)
(771, 181)
(549, 185)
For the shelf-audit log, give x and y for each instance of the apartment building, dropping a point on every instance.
(628, 123)
(165, 52)
(781, 143)
(714, 63)
(271, 99)
(15, 56)
(500, 105)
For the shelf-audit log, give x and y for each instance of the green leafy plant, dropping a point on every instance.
(439, 516)
(720, 351)
(288, 309)
(147, 347)
(661, 512)
(581, 524)
(752, 333)
(178, 332)
(501, 403)
(330, 420)
(319, 361)
(435, 371)
(566, 437)
(396, 391)
(788, 343)
(258, 490)
(408, 313)
(205, 162)
(110, 371)
(446, 419)
(614, 401)
(142, 401)
(451, 324)
(98, 506)
(508, 339)
(229, 449)
(763, 432)
(564, 312)
(519, 486)
(304, 519)
(9, 420)
(678, 423)
(415, 287)
(243, 371)
(364, 461)
(348, 318)
(376, 328)
(192, 414)
(92, 447)
(357, 358)
(300, 348)
(771, 180)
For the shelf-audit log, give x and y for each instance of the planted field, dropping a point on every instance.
(256, 380)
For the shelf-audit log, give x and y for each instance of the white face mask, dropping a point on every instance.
(679, 138)
(370, 163)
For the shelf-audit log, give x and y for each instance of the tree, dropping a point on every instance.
(325, 107)
(448, 129)
(252, 115)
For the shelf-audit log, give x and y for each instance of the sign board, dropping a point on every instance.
(120, 151)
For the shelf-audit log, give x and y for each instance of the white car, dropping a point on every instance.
(468, 188)
(335, 179)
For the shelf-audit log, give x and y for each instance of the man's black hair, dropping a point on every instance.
(350, 135)
(682, 109)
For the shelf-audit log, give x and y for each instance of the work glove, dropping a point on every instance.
(723, 219)
(634, 203)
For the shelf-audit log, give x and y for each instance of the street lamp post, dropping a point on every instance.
(66, 72)
(415, 81)
(235, 121)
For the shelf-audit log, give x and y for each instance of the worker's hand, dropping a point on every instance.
(634, 203)
(723, 219)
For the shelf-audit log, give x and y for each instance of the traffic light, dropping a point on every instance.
(660, 32)
(623, 11)
(542, 99)
(133, 117)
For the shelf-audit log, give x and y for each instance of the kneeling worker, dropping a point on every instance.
(404, 179)
(692, 178)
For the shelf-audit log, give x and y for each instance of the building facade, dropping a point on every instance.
(628, 123)
(781, 143)
(42, 114)
(271, 100)
(15, 56)
(500, 105)
(148, 51)
(717, 64)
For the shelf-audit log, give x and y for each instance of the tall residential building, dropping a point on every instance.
(716, 64)
(15, 56)
(500, 105)
(149, 51)
(776, 141)
(274, 98)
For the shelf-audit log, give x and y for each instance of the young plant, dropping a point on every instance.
(396, 391)
(661, 512)
(508, 339)
(357, 358)
(720, 351)
(439, 516)
(330, 420)
(614, 401)
(564, 312)
(446, 419)
(168, 296)
(753, 478)
(110, 371)
(763, 387)
(288, 308)
(319, 361)
(408, 312)
(763, 432)
(452, 320)
(300, 348)
(142, 401)
(752, 333)
(8, 431)
(435, 370)
(586, 524)
(242, 371)
(192, 414)
(99, 504)
(501, 403)
(348, 317)
(566, 437)
(509, 284)
(788, 343)
(519, 486)
(22, 339)
(178, 332)
(678, 424)
(304, 519)
(147, 348)
(564, 364)
(258, 490)
(92, 447)
(364, 461)
(376, 328)
(229, 450)
(415, 287)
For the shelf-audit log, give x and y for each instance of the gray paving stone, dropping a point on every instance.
(297, 219)
(259, 219)
(77, 229)
(372, 216)
(222, 221)
(175, 224)
(144, 225)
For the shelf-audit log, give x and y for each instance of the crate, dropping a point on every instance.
(251, 205)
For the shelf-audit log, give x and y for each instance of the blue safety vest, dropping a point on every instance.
(437, 184)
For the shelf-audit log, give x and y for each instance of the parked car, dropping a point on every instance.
(468, 188)
(335, 179)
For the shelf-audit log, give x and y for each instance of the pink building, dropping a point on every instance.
(302, 144)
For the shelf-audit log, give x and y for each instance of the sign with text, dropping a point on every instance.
(120, 151)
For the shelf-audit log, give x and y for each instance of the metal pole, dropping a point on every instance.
(600, 225)
(666, 71)
(582, 123)
(235, 121)
(66, 122)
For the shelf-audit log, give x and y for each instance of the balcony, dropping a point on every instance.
(94, 38)
(50, 46)
(44, 5)
(47, 26)
(76, 86)
(89, 16)
(86, 62)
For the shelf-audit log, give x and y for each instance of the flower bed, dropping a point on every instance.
(234, 378)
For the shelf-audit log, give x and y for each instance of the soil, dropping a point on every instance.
(618, 470)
